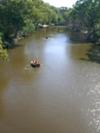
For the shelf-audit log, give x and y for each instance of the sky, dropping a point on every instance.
(61, 3)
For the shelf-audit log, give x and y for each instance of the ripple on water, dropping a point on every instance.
(94, 108)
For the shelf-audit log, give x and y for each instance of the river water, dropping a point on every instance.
(62, 96)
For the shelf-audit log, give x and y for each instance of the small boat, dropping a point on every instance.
(35, 63)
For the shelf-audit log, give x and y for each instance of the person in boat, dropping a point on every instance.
(35, 62)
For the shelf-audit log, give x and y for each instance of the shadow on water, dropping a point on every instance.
(93, 54)
(15, 46)
(77, 37)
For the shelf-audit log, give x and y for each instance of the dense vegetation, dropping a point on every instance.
(21, 17)
(24, 16)
(85, 16)
(3, 52)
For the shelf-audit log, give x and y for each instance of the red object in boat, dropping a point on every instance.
(35, 63)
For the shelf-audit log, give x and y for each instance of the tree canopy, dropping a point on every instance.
(85, 16)
(24, 15)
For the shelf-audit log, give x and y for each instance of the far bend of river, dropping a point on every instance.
(62, 96)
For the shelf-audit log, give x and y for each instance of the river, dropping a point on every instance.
(62, 96)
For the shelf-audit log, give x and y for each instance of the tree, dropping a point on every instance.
(3, 52)
(13, 15)
(86, 16)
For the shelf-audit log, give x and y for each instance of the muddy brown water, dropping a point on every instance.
(62, 96)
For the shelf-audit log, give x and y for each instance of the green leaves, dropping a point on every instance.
(3, 52)
(86, 15)
(15, 15)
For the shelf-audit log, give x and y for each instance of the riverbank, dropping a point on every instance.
(93, 53)
(75, 37)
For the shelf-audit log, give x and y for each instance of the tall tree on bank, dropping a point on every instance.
(24, 16)
(86, 16)
(13, 15)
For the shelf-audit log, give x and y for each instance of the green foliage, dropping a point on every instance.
(29, 27)
(86, 16)
(12, 18)
(24, 15)
(3, 52)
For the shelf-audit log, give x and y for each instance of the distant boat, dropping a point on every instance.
(45, 26)
(42, 25)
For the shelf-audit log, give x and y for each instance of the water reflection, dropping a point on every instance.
(78, 51)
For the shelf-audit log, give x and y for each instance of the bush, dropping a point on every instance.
(3, 52)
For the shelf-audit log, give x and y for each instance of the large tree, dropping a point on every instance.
(12, 16)
(86, 16)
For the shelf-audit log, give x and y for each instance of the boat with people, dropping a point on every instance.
(35, 63)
